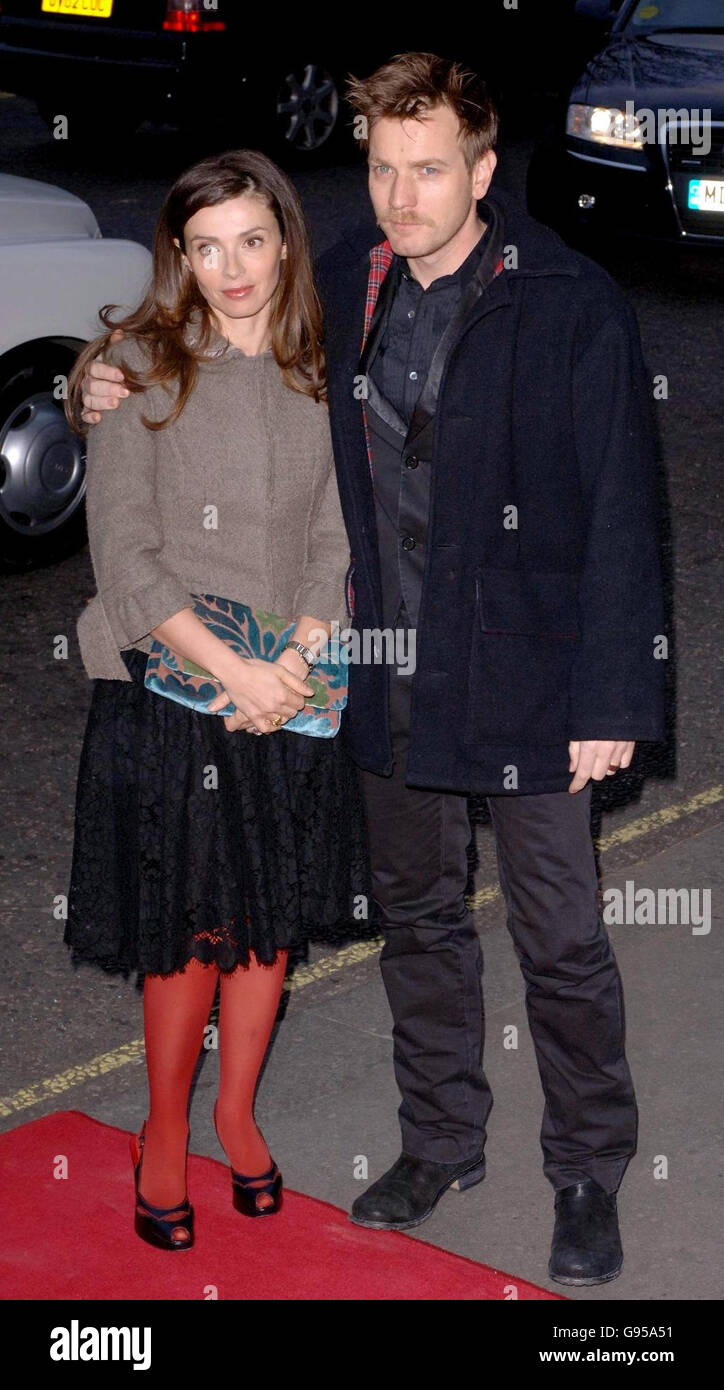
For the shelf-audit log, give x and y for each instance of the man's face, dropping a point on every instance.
(421, 188)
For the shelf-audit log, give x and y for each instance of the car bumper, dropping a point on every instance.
(603, 195)
(28, 72)
(156, 85)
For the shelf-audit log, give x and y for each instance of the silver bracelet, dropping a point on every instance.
(305, 652)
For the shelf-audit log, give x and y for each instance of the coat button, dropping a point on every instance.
(408, 543)
(412, 462)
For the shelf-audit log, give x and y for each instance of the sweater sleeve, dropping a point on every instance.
(321, 591)
(136, 589)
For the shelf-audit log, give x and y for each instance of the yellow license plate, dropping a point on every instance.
(82, 9)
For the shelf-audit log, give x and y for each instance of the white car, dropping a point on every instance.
(56, 272)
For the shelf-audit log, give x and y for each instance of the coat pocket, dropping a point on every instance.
(525, 637)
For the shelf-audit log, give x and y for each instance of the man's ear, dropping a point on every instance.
(483, 171)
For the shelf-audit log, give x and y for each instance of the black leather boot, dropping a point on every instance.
(586, 1245)
(408, 1193)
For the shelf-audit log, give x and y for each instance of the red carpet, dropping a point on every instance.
(72, 1238)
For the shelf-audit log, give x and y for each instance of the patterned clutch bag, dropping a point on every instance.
(251, 633)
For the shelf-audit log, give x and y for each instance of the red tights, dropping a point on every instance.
(176, 1010)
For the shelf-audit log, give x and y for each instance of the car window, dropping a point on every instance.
(647, 17)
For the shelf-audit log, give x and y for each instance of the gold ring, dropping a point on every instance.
(277, 720)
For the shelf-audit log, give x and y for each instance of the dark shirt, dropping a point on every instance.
(417, 320)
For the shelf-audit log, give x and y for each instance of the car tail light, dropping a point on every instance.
(191, 17)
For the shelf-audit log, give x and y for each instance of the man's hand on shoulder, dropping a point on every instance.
(103, 387)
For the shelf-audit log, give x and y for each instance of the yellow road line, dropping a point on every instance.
(631, 831)
(330, 965)
(134, 1052)
(664, 816)
(65, 1080)
(488, 894)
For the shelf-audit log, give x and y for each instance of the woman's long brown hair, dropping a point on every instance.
(162, 319)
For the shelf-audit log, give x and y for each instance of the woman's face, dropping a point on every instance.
(235, 251)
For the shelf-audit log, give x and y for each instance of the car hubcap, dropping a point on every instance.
(307, 107)
(42, 475)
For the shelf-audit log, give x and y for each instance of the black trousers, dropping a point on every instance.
(432, 969)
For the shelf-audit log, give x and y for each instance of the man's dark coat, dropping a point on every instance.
(541, 611)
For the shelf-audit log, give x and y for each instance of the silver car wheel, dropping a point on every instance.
(310, 106)
(42, 467)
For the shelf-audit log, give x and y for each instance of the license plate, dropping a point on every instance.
(706, 195)
(82, 9)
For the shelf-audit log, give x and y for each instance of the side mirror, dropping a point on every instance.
(600, 10)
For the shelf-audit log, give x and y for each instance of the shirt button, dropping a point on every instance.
(412, 462)
(413, 376)
(408, 543)
(411, 313)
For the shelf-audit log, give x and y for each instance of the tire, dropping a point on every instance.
(298, 115)
(42, 464)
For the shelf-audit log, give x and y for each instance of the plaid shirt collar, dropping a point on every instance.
(381, 258)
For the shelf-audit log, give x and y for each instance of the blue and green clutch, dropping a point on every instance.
(251, 633)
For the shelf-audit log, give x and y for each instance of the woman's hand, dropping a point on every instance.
(294, 663)
(261, 690)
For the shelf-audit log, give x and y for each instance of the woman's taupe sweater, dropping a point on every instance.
(238, 498)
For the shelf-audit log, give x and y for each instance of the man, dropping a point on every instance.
(497, 482)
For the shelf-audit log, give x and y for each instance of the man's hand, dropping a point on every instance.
(596, 758)
(103, 387)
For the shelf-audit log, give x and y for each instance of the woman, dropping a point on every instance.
(206, 845)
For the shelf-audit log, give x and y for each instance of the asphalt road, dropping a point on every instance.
(71, 1039)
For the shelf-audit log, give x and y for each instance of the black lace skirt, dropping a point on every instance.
(194, 842)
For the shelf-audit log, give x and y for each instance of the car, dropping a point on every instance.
(193, 63)
(225, 74)
(639, 146)
(56, 271)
